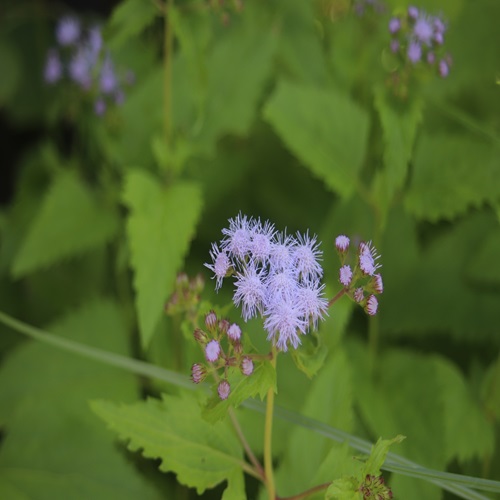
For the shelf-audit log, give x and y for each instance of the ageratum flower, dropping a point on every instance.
(276, 276)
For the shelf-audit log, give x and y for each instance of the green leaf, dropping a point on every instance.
(238, 67)
(53, 446)
(443, 299)
(378, 454)
(344, 489)
(311, 355)
(451, 174)
(399, 400)
(202, 455)
(129, 18)
(258, 383)
(468, 432)
(10, 62)
(325, 129)
(160, 226)
(70, 221)
(328, 400)
(399, 125)
(485, 266)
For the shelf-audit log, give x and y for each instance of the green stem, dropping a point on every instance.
(308, 492)
(337, 297)
(268, 432)
(253, 459)
(169, 42)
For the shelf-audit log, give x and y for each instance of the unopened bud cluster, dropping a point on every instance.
(186, 294)
(417, 38)
(358, 273)
(374, 488)
(219, 332)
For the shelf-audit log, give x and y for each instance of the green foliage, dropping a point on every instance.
(329, 399)
(159, 228)
(399, 125)
(223, 122)
(349, 488)
(54, 446)
(202, 455)
(451, 174)
(129, 18)
(325, 129)
(70, 221)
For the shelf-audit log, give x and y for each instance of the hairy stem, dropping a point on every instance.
(308, 492)
(268, 432)
(337, 297)
(253, 459)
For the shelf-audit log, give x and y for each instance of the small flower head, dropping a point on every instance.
(99, 107)
(394, 25)
(223, 389)
(284, 322)
(250, 291)
(238, 238)
(342, 243)
(281, 256)
(423, 29)
(221, 264)
(371, 305)
(198, 373)
(53, 67)
(212, 351)
(367, 258)
(246, 366)
(234, 332)
(211, 321)
(414, 51)
(68, 30)
(262, 241)
(444, 68)
(311, 302)
(412, 12)
(345, 275)
(305, 258)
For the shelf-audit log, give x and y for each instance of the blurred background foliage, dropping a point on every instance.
(285, 110)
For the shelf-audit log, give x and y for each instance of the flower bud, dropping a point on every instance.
(342, 243)
(377, 283)
(224, 325)
(224, 389)
(200, 336)
(234, 332)
(247, 366)
(345, 275)
(371, 305)
(211, 321)
(198, 373)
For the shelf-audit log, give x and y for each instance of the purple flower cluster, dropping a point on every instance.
(277, 276)
(82, 57)
(361, 281)
(217, 358)
(419, 37)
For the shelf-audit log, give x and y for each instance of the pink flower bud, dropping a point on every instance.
(224, 389)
